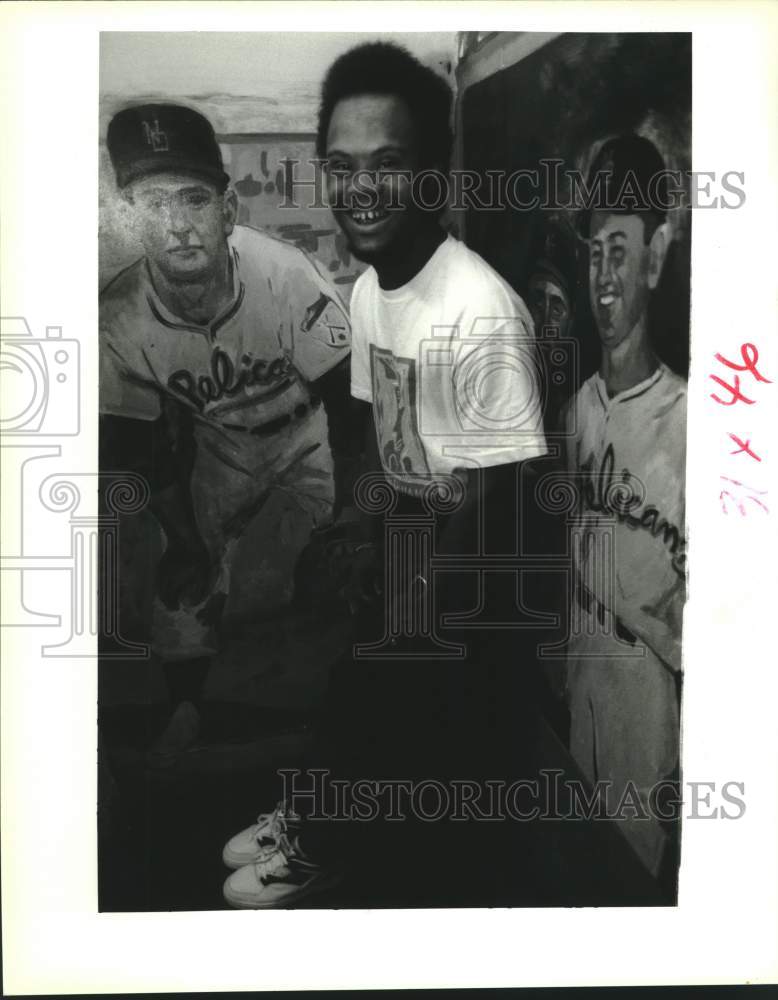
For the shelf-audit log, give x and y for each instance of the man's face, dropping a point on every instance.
(183, 223)
(618, 274)
(549, 305)
(371, 151)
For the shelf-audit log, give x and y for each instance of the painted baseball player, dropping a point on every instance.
(218, 348)
(627, 454)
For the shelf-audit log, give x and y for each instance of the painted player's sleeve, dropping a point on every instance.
(651, 562)
(654, 610)
(125, 387)
(659, 623)
(320, 326)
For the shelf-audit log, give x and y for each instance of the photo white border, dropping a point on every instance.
(725, 927)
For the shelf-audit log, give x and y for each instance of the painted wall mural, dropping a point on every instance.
(255, 162)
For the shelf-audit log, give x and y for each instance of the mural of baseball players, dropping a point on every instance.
(429, 372)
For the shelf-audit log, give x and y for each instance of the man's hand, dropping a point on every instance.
(211, 613)
(338, 562)
(358, 573)
(185, 575)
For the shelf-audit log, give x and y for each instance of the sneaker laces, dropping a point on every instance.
(271, 863)
(287, 864)
(276, 824)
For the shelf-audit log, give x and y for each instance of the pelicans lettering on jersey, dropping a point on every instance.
(628, 457)
(248, 376)
(284, 327)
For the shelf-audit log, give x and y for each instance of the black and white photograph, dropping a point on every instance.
(388, 544)
(397, 361)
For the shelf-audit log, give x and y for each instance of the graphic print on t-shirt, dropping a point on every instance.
(394, 402)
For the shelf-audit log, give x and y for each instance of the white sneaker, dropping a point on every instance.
(282, 876)
(254, 842)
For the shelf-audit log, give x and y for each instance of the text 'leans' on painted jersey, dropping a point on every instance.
(248, 369)
(627, 458)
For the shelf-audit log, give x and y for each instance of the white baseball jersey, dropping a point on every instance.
(247, 377)
(627, 456)
(449, 363)
(284, 327)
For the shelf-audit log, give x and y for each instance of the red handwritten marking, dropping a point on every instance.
(734, 389)
(750, 356)
(740, 503)
(744, 446)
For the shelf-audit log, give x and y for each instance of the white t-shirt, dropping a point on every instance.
(450, 365)
(627, 456)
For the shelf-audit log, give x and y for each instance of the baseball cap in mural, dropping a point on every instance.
(554, 253)
(156, 138)
(635, 183)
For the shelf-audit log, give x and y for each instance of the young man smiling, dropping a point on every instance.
(443, 355)
(432, 317)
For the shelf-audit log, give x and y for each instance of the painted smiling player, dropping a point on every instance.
(627, 455)
(217, 349)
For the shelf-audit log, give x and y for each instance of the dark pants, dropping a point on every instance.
(420, 721)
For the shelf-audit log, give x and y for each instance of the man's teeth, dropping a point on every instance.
(371, 216)
(606, 300)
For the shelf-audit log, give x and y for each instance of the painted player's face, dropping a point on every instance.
(183, 223)
(549, 305)
(619, 268)
(371, 155)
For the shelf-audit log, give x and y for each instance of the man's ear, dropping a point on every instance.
(230, 210)
(657, 250)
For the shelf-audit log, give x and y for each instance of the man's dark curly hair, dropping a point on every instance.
(384, 68)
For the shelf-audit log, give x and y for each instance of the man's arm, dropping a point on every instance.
(342, 558)
(348, 422)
